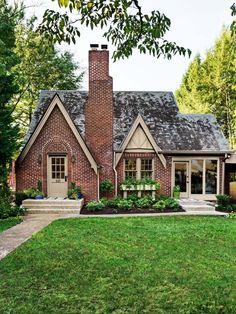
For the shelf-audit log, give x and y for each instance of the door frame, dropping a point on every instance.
(187, 193)
(203, 196)
(49, 156)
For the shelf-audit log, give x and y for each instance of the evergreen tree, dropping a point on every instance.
(209, 86)
(8, 59)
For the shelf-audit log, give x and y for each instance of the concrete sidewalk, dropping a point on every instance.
(15, 236)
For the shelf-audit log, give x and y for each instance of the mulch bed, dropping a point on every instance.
(115, 211)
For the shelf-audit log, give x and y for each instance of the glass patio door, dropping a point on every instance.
(181, 177)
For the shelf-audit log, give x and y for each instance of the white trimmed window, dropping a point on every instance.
(138, 168)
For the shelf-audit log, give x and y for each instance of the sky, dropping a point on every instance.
(195, 24)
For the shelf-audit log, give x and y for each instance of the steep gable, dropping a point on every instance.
(56, 103)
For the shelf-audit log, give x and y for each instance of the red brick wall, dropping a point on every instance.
(56, 137)
(99, 112)
(161, 174)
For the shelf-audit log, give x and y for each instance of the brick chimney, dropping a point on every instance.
(99, 111)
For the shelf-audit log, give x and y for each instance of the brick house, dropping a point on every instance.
(86, 137)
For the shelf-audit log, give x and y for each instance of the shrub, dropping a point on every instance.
(133, 197)
(125, 204)
(161, 205)
(171, 203)
(233, 207)
(223, 201)
(95, 206)
(7, 209)
(144, 202)
(19, 197)
(106, 186)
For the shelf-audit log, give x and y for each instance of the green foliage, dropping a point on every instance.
(176, 188)
(40, 185)
(95, 206)
(33, 192)
(224, 202)
(8, 87)
(231, 216)
(7, 208)
(160, 205)
(19, 197)
(41, 67)
(133, 197)
(171, 203)
(144, 202)
(125, 204)
(209, 85)
(126, 26)
(128, 182)
(74, 191)
(9, 222)
(106, 186)
(131, 182)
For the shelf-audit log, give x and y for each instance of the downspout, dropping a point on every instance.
(98, 183)
(114, 168)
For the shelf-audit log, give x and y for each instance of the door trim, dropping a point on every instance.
(188, 159)
(182, 194)
(49, 190)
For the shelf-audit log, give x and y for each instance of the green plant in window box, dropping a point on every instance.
(128, 184)
(176, 191)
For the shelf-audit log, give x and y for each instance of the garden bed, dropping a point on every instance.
(109, 210)
(133, 205)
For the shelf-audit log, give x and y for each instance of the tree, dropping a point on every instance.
(8, 59)
(127, 27)
(212, 87)
(41, 67)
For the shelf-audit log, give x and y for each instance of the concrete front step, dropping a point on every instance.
(198, 208)
(196, 205)
(53, 206)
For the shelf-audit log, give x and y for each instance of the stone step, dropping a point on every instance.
(31, 202)
(49, 205)
(55, 206)
(198, 208)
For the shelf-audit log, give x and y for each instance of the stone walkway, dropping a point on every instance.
(15, 236)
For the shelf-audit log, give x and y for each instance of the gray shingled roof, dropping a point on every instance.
(170, 129)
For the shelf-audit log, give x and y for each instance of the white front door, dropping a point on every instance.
(57, 176)
(181, 177)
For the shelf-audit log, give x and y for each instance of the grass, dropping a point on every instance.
(9, 222)
(124, 265)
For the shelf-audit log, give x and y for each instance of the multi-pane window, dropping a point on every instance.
(130, 168)
(58, 167)
(138, 168)
(146, 168)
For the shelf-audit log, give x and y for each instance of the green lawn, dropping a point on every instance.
(124, 265)
(9, 222)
